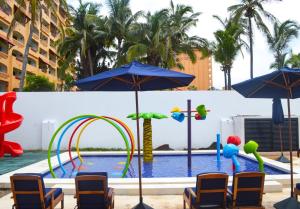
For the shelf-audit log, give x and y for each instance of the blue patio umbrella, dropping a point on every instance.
(136, 76)
(283, 83)
(278, 119)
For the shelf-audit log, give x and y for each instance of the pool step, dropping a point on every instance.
(160, 189)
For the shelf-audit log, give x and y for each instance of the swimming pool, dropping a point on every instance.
(163, 166)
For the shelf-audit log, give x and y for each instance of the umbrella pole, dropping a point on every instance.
(291, 147)
(140, 205)
(139, 145)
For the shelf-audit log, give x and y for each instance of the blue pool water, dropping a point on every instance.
(162, 166)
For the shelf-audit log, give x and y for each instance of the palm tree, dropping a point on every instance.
(120, 21)
(35, 12)
(283, 34)
(86, 37)
(293, 61)
(251, 10)
(147, 132)
(146, 41)
(226, 47)
(164, 35)
(180, 20)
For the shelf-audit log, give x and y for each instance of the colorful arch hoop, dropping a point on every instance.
(89, 117)
(112, 123)
(127, 129)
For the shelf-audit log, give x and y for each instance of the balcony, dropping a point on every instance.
(45, 29)
(35, 36)
(45, 16)
(6, 13)
(17, 62)
(19, 27)
(17, 43)
(53, 19)
(52, 45)
(23, 9)
(3, 76)
(52, 63)
(3, 55)
(44, 43)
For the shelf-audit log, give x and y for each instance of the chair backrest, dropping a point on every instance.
(91, 190)
(211, 188)
(247, 189)
(28, 190)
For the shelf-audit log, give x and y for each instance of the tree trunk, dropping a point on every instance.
(251, 46)
(25, 58)
(90, 62)
(147, 141)
(119, 50)
(225, 78)
(229, 77)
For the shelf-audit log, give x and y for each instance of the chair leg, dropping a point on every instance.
(62, 203)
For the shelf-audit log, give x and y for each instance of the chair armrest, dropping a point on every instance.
(110, 194)
(50, 193)
(192, 193)
(229, 192)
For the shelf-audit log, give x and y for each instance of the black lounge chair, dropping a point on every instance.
(247, 190)
(92, 191)
(29, 192)
(210, 192)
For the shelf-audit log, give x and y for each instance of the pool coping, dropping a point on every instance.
(172, 185)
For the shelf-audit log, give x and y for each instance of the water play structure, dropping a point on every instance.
(85, 121)
(9, 122)
(179, 115)
(251, 148)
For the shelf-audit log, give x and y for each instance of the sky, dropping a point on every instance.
(207, 25)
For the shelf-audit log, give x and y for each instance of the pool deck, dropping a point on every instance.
(157, 201)
(151, 186)
(128, 200)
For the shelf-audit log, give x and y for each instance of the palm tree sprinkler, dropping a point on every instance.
(147, 132)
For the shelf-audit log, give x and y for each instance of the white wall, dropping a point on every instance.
(37, 107)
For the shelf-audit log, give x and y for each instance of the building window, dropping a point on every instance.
(3, 68)
(3, 47)
(18, 55)
(32, 62)
(43, 66)
(17, 73)
(18, 36)
(4, 27)
(52, 57)
(34, 46)
(3, 86)
(6, 8)
(43, 52)
(52, 71)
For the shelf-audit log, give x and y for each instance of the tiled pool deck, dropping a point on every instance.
(27, 158)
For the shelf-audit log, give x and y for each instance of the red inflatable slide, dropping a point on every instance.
(9, 121)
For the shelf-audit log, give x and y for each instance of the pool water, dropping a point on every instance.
(162, 166)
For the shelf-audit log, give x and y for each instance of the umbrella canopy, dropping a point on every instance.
(135, 76)
(277, 113)
(278, 119)
(284, 83)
